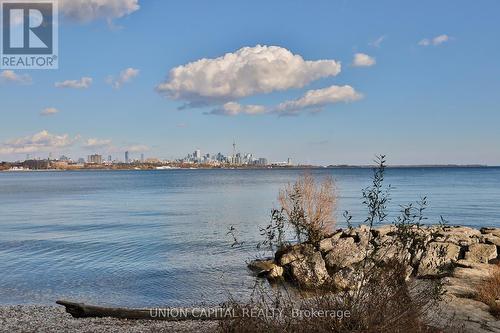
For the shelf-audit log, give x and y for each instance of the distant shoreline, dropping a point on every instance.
(298, 167)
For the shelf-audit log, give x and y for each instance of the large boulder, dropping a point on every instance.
(347, 278)
(266, 268)
(436, 259)
(363, 235)
(309, 271)
(384, 230)
(493, 231)
(462, 236)
(491, 239)
(345, 253)
(293, 253)
(328, 244)
(481, 253)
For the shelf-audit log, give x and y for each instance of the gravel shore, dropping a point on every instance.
(40, 319)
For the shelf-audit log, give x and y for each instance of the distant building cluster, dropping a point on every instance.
(96, 160)
(235, 158)
(221, 159)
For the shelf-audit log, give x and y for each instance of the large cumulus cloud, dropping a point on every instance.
(246, 72)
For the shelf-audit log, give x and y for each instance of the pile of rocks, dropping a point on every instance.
(461, 257)
(338, 258)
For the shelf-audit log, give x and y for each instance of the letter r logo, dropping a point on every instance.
(27, 27)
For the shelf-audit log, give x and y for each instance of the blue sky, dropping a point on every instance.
(424, 89)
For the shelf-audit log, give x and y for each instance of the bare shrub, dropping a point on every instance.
(309, 207)
(385, 303)
(381, 298)
(489, 291)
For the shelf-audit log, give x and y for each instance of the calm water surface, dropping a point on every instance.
(151, 238)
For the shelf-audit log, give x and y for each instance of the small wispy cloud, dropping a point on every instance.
(89, 10)
(94, 143)
(378, 42)
(11, 76)
(233, 109)
(363, 60)
(83, 83)
(438, 40)
(125, 76)
(316, 100)
(49, 111)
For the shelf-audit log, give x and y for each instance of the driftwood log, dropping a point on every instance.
(81, 310)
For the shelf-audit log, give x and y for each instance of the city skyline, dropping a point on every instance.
(353, 80)
(139, 156)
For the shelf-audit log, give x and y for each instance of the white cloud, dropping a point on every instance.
(378, 42)
(125, 76)
(438, 40)
(316, 100)
(424, 42)
(97, 143)
(246, 72)
(363, 60)
(312, 101)
(88, 10)
(233, 109)
(49, 112)
(11, 76)
(83, 83)
(41, 141)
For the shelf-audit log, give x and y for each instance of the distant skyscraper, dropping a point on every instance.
(126, 157)
(234, 151)
(94, 159)
(262, 161)
(142, 158)
(109, 158)
(197, 155)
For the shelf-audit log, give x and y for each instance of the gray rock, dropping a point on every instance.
(462, 236)
(436, 258)
(344, 254)
(384, 230)
(328, 244)
(295, 252)
(491, 239)
(275, 272)
(266, 268)
(347, 278)
(364, 236)
(261, 265)
(481, 253)
(309, 271)
(493, 231)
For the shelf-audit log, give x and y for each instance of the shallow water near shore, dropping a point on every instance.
(152, 238)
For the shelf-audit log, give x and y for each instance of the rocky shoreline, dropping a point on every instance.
(35, 318)
(461, 257)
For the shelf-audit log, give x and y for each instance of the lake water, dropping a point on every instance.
(152, 238)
